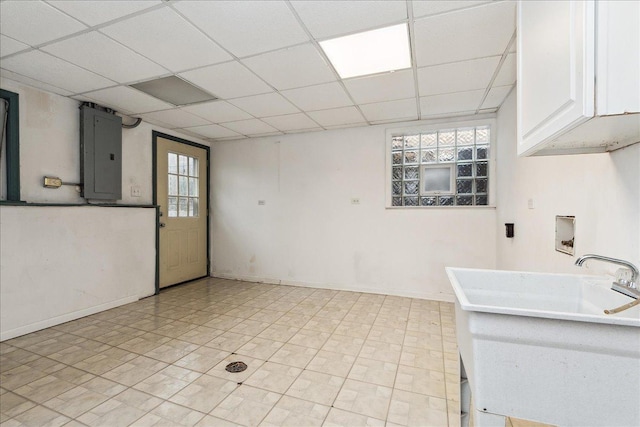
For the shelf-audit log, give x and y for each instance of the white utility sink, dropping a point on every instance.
(539, 347)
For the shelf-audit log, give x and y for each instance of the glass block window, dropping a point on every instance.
(183, 186)
(417, 179)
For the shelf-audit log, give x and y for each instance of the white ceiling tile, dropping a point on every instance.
(496, 96)
(331, 18)
(98, 53)
(466, 34)
(218, 111)
(250, 127)
(451, 103)
(126, 98)
(176, 118)
(292, 67)
(228, 80)
(268, 104)
(507, 74)
(245, 27)
(382, 87)
(49, 69)
(168, 39)
(191, 135)
(158, 123)
(6, 74)
(318, 97)
(458, 76)
(212, 131)
(9, 46)
(35, 22)
(338, 117)
(390, 110)
(98, 12)
(188, 134)
(291, 122)
(431, 7)
(457, 46)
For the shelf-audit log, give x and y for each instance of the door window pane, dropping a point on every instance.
(193, 166)
(193, 187)
(193, 206)
(173, 185)
(173, 163)
(184, 185)
(173, 207)
(182, 165)
(182, 206)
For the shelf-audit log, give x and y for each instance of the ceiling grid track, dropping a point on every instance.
(414, 62)
(87, 30)
(326, 60)
(275, 75)
(498, 68)
(240, 59)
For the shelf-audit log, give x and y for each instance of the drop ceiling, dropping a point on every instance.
(261, 59)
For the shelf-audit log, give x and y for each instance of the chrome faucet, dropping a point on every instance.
(626, 287)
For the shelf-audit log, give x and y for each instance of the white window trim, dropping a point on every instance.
(439, 124)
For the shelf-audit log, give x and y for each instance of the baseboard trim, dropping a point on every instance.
(54, 321)
(366, 290)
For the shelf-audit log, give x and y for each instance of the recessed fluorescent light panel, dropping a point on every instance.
(370, 52)
(174, 90)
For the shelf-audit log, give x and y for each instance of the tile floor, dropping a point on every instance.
(315, 357)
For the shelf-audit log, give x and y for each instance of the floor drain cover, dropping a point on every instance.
(236, 367)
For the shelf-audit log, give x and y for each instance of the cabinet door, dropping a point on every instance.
(618, 62)
(555, 69)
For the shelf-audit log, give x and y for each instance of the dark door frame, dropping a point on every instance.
(155, 136)
(12, 152)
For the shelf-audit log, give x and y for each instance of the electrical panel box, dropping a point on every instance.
(100, 154)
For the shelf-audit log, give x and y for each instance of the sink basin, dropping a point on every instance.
(554, 296)
(539, 347)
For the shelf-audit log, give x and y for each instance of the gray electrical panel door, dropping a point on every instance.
(100, 154)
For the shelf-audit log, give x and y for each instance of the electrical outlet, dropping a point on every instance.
(531, 204)
(355, 200)
(135, 191)
(261, 202)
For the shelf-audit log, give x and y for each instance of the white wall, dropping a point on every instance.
(601, 190)
(60, 263)
(50, 145)
(309, 233)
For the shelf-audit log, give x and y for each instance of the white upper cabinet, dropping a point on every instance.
(578, 76)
